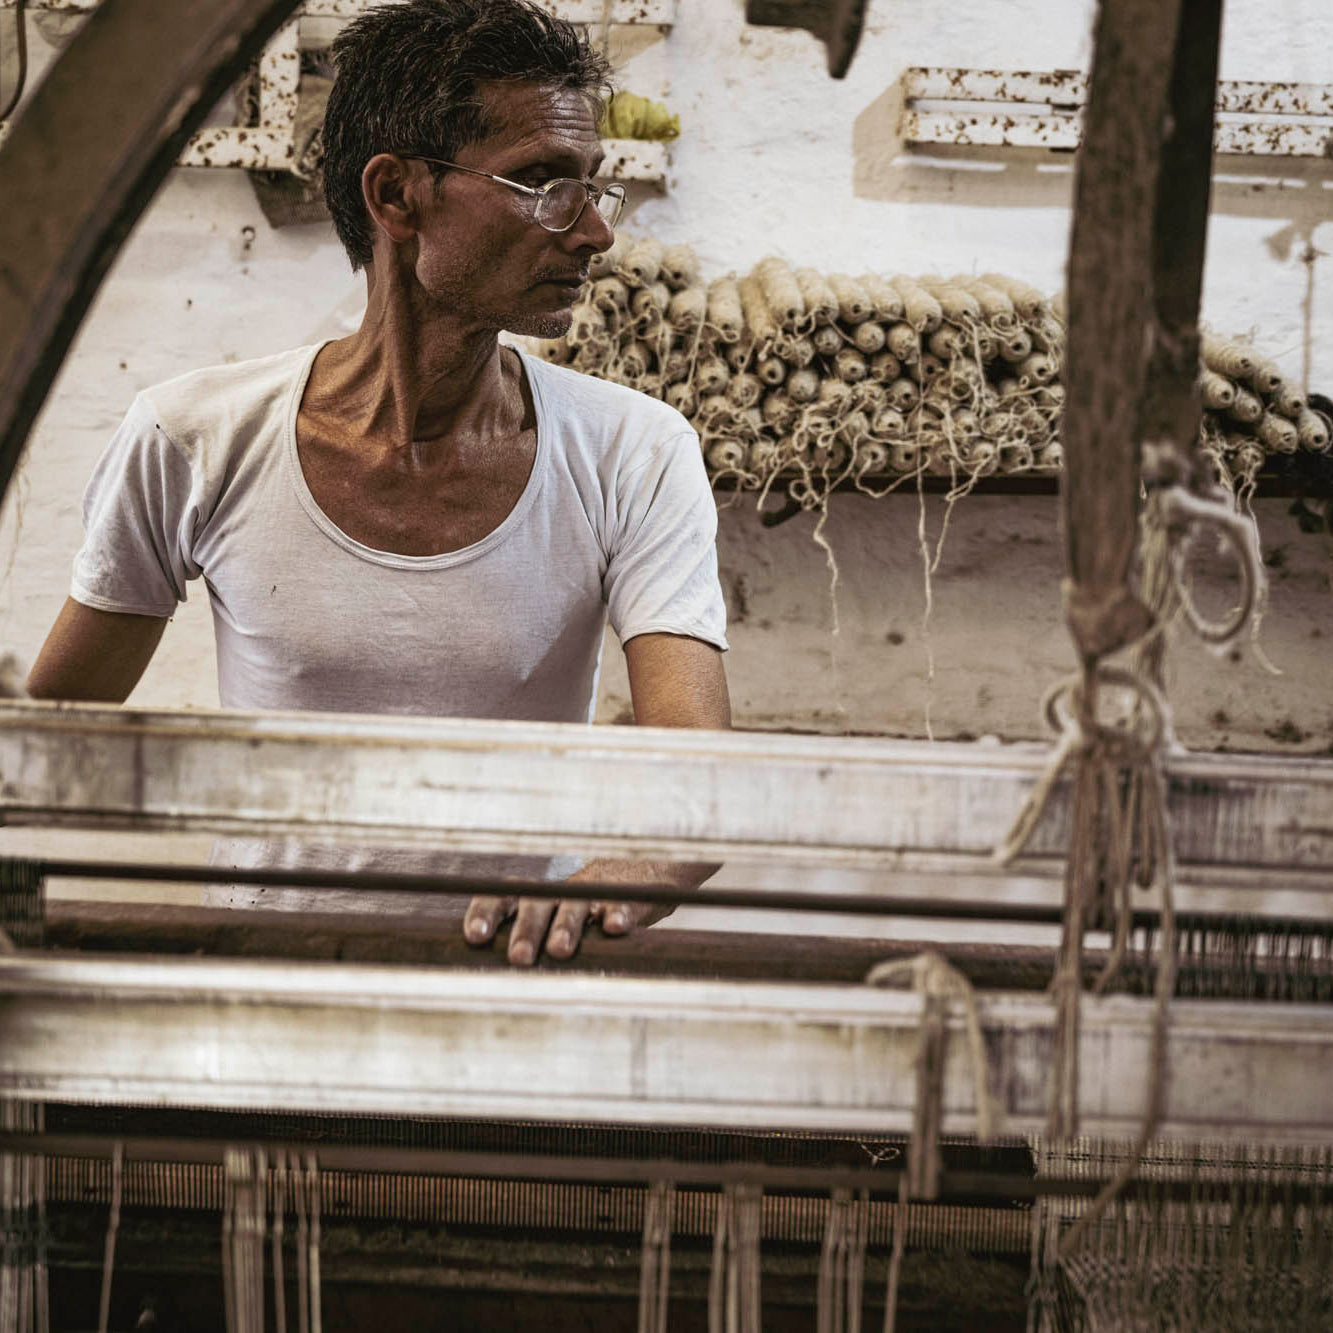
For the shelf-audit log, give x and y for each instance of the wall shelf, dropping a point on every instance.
(980, 108)
(661, 12)
(269, 145)
(634, 160)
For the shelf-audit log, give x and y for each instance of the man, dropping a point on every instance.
(416, 519)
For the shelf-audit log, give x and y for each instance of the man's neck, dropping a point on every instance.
(414, 381)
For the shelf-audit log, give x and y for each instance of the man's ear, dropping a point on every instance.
(386, 187)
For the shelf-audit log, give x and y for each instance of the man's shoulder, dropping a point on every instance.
(231, 399)
(606, 416)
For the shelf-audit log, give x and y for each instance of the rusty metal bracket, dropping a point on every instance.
(271, 144)
(84, 158)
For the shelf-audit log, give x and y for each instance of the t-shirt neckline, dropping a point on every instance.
(498, 534)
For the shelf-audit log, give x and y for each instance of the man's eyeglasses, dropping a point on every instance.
(558, 204)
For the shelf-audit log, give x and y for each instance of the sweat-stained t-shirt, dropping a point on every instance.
(203, 479)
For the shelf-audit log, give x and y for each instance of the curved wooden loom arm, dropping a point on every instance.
(837, 23)
(1135, 271)
(84, 158)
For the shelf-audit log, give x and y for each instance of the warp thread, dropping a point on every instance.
(733, 1285)
(937, 981)
(24, 1294)
(838, 1303)
(655, 1267)
(1219, 1236)
(248, 1185)
(24, 1285)
(22, 902)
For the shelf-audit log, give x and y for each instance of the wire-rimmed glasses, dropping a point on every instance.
(558, 204)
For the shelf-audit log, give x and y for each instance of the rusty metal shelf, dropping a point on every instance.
(981, 108)
(269, 145)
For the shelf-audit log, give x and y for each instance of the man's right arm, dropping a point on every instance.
(94, 656)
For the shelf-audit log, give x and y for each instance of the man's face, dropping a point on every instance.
(481, 256)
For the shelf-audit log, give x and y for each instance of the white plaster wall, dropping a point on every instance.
(776, 158)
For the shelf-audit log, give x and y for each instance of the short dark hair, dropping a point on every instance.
(407, 82)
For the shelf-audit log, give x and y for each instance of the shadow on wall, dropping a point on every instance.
(885, 169)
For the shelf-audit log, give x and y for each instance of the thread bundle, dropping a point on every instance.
(1251, 412)
(821, 379)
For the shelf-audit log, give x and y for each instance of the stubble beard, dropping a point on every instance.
(541, 323)
(455, 298)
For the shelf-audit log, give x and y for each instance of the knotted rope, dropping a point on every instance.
(249, 1188)
(1118, 838)
(1119, 834)
(838, 1302)
(933, 976)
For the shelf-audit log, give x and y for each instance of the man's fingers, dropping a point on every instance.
(621, 918)
(483, 918)
(558, 927)
(529, 930)
(567, 928)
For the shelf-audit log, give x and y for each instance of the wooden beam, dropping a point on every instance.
(547, 787)
(420, 1041)
(1170, 410)
(152, 928)
(1135, 255)
(1043, 109)
(114, 111)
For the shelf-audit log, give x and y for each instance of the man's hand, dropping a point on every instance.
(674, 682)
(559, 926)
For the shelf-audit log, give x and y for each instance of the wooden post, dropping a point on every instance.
(1169, 415)
(1136, 257)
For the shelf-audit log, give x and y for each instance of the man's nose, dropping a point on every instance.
(591, 230)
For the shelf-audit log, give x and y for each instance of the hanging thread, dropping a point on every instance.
(734, 1300)
(838, 1302)
(937, 982)
(655, 1268)
(112, 1227)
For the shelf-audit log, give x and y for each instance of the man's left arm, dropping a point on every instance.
(675, 681)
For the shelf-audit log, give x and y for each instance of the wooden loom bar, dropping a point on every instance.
(611, 1050)
(545, 787)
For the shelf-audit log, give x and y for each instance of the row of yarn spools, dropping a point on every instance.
(830, 378)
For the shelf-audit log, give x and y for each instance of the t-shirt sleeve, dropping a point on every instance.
(661, 574)
(139, 514)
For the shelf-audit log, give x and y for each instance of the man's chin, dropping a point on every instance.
(541, 323)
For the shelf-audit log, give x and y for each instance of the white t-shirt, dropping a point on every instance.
(203, 479)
